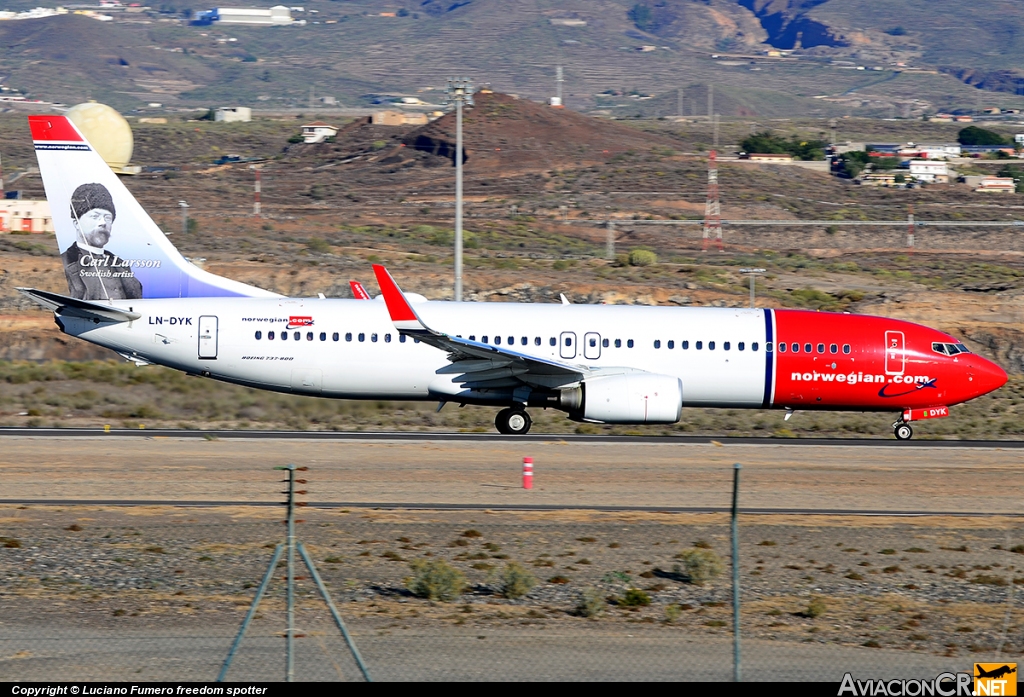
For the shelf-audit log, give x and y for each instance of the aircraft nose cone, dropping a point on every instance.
(987, 375)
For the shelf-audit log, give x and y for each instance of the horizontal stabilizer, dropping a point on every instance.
(73, 307)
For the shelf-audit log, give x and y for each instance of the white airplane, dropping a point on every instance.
(131, 291)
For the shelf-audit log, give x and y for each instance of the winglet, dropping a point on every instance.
(358, 292)
(402, 314)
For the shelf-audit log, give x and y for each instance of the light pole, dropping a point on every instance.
(458, 91)
(753, 273)
(184, 217)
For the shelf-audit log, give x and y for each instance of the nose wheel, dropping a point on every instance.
(903, 431)
(513, 422)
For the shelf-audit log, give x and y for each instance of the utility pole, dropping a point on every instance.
(711, 100)
(910, 227)
(184, 217)
(715, 137)
(752, 273)
(712, 208)
(459, 91)
(257, 187)
(558, 88)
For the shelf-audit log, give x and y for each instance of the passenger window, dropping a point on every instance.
(604, 342)
(362, 336)
(497, 341)
(472, 337)
(348, 336)
(511, 341)
(741, 346)
(270, 336)
(593, 343)
(846, 348)
(524, 341)
(782, 346)
(401, 338)
(335, 336)
(807, 348)
(767, 347)
(284, 336)
(671, 344)
(309, 336)
(568, 341)
(796, 347)
(833, 348)
(657, 343)
(699, 345)
(552, 341)
(536, 341)
(323, 336)
(725, 345)
(297, 335)
(618, 343)
(259, 335)
(629, 343)
(685, 345)
(373, 337)
(387, 338)
(483, 339)
(711, 346)
(821, 348)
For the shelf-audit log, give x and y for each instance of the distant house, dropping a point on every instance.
(20, 215)
(938, 151)
(979, 150)
(769, 157)
(883, 178)
(398, 118)
(278, 15)
(318, 132)
(929, 171)
(231, 114)
(998, 185)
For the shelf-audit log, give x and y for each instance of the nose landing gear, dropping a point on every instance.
(513, 421)
(902, 431)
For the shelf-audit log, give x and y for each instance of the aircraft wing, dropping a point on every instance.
(476, 365)
(67, 306)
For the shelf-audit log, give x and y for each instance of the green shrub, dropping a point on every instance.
(642, 257)
(815, 608)
(318, 245)
(516, 581)
(435, 580)
(700, 565)
(634, 597)
(672, 613)
(590, 604)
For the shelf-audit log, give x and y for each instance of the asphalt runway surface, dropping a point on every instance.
(583, 473)
(498, 438)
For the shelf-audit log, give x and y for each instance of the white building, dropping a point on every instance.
(938, 151)
(929, 171)
(277, 15)
(17, 215)
(229, 114)
(318, 132)
(999, 185)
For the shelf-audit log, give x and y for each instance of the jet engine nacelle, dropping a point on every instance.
(633, 398)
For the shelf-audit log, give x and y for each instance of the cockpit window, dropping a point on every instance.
(949, 349)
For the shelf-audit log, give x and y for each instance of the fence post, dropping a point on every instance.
(737, 671)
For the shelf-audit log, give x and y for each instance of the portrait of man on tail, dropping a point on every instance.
(93, 272)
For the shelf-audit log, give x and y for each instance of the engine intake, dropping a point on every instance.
(640, 398)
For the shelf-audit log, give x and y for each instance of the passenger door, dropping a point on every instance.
(208, 337)
(895, 353)
(592, 345)
(567, 345)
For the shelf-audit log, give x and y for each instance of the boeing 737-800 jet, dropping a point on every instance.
(131, 291)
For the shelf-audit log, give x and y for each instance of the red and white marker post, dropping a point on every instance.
(527, 472)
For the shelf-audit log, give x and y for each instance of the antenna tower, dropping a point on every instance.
(712, 209)
(556, 101)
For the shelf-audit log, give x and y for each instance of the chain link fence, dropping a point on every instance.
(159, 593)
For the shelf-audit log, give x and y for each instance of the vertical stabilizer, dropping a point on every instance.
(110, 247)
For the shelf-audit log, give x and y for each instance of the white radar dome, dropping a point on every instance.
(107, 131)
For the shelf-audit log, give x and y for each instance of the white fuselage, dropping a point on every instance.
(356, 352)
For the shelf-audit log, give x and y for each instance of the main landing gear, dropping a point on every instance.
(902, 430)
(513, 421)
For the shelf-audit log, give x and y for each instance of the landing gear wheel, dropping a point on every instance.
(903, 432)
(513, 422)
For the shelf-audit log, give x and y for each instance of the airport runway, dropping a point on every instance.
(398, 436)
(426, 471)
